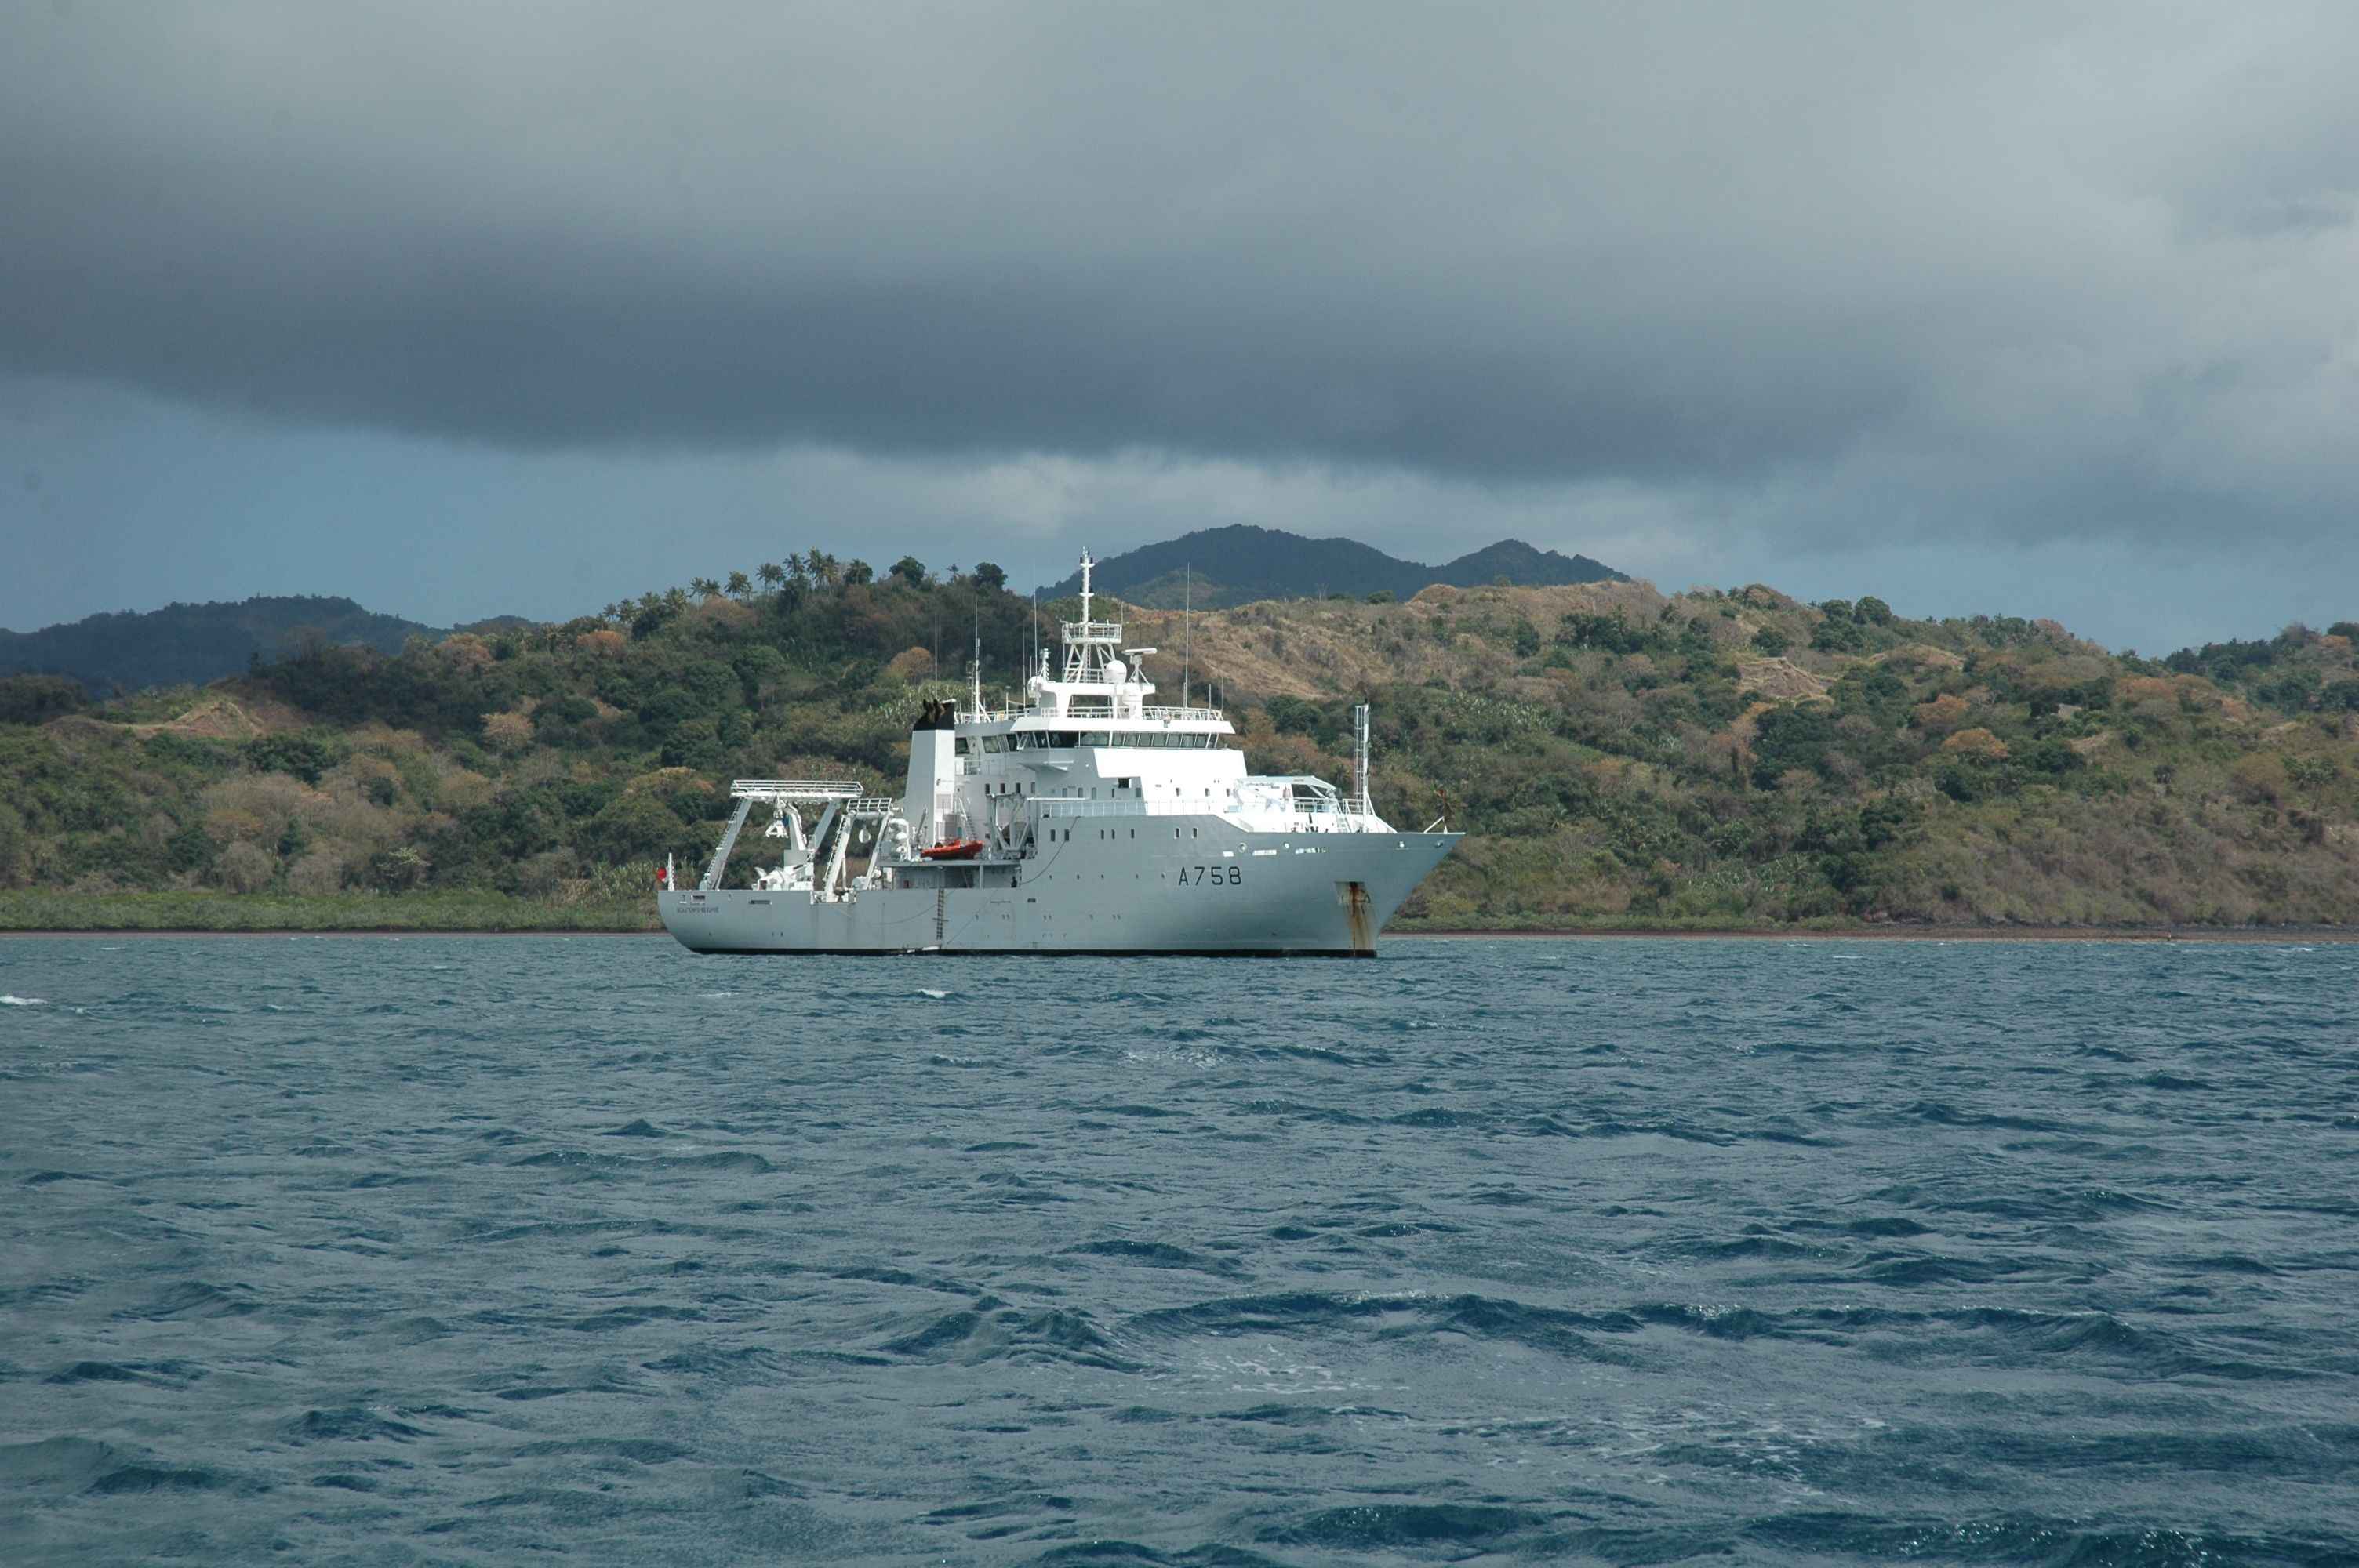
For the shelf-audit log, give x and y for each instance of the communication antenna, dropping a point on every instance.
(938, 642)
(1188, 634)
(975, 670)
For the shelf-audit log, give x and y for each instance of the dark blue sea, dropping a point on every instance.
(498, 1250)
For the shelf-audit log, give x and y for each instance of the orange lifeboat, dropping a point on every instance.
(956, 850)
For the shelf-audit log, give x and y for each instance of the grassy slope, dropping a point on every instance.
(1623, 759)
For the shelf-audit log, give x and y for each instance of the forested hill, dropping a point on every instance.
(198, 643)
(1618, 756)
(1240, 564)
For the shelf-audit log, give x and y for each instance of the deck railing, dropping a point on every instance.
(1150, 714)
(794, 789)
(1312, 819)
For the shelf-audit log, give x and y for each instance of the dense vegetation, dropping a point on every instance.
(1240, 564)
(1619, 756)
(132, 650)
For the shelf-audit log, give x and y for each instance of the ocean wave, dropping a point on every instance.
(1152, 1255)
(743, 1364)
(156, 1374)
(975, 1336)
(1367, 1527)
(350, 1424)
(2021, 1538)
(197, 1298)
(141, 1479)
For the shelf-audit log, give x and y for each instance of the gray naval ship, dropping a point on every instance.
(1083, 820)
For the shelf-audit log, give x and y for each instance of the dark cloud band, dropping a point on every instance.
(1853, 255)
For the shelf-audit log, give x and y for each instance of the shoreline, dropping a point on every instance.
(2268, 936)
(93, 933)
(2251, 934)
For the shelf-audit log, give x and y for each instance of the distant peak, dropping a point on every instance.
(1238, 563)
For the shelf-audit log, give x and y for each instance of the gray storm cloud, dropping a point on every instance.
(1871, 267)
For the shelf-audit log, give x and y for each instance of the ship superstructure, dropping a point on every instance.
(1082, 819)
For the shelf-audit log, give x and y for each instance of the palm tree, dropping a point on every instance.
(703, 587)
(740, 585)
(772, 574)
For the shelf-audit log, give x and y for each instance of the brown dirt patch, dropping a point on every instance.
(214, 718)
(1923, 654)
(1781, 680)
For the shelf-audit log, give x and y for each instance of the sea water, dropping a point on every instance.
(510, 1249)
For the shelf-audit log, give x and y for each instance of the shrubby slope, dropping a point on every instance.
(1620, 756)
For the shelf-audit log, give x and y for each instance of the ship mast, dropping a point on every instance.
(1360, 760)
(1089, 645)
(974, 669)
(1187, 631)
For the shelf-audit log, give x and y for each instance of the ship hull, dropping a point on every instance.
(1109, 890)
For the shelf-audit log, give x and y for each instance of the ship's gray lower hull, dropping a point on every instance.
(1322, 893)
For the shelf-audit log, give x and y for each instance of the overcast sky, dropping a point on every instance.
(462, 309)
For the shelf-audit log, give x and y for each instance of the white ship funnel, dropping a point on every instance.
(933, 772)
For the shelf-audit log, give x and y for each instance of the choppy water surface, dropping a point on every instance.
(1636, 1252)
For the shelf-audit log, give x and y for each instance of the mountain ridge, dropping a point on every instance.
(196, 641)
(1241, 563)
(193, 642)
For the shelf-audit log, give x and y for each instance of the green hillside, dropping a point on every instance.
(1620, 757)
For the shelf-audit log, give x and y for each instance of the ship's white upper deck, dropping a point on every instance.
(1102, 689)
